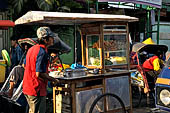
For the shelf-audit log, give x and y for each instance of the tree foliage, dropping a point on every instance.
(66, 33)
(21, 6)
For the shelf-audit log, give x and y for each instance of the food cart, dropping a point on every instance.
(105, 47)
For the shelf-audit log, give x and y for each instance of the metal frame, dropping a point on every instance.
(148, 8)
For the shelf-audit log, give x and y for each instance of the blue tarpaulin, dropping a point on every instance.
(77, 66)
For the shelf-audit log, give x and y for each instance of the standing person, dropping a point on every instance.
(153, 67)
(36, 71)
(16, 53)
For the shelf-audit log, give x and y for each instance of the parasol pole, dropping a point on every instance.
(75, 43)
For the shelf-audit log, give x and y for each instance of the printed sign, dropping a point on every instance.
(154, 3)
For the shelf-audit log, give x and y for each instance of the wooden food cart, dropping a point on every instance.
(105, 46)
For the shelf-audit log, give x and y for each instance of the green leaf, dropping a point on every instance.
(72, 4)
(50, 2)
(42, 4)
(17, 5)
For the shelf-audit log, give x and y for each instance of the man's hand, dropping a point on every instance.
(55, 82)
(146, 90)
(45, 76)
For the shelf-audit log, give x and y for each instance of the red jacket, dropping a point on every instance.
(36, 61)
(148, 64)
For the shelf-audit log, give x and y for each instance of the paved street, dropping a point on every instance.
(144, 108)
(148, 110)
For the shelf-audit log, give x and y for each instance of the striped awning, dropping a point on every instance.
(26, 41)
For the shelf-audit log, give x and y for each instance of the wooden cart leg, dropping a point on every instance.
(54, 100)
(130, 110)
(73, 98)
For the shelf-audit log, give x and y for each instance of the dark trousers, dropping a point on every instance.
(151, 78)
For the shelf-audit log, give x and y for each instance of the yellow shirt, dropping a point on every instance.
(156, 64)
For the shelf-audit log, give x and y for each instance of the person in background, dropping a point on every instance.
(54, 63)
(54, 67)
(36, 71)
(154, 64)
(17, 73)
(152, 67)
(16, 53)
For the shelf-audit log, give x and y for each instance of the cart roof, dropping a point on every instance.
(153, 48)
(61, 18)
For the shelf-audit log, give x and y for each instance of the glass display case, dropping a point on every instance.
(115, 49)
(93, 50)
(106, 47)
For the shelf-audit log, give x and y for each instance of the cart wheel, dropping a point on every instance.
(113, 103)
(136, 96)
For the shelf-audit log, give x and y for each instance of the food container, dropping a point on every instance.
(56, 74)
(74, 72)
